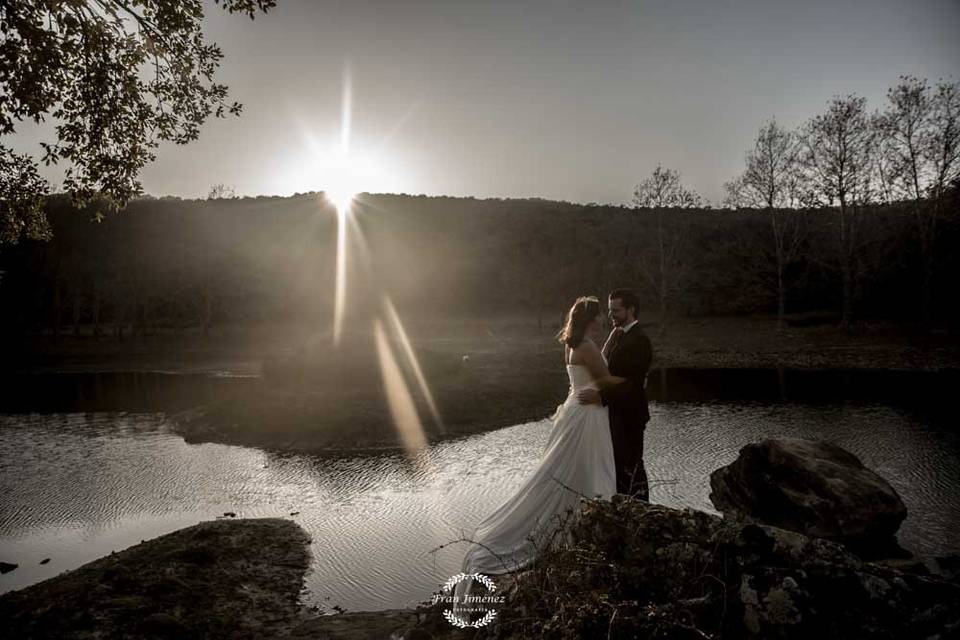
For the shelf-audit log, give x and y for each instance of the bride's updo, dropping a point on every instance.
(583, 311)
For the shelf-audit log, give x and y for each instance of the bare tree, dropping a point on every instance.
(771, 182)
(837, 161)
(919, 158)
(661, 192)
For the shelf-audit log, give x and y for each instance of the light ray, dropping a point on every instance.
(340, 291)
(361, 246)
(346, 109)
(398, 329)
(340, 192)
(399, 124)
(395, 323)
(402, 408)
(342, 175)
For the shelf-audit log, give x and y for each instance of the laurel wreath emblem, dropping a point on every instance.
(479, 577)
(460, 622)
(456, 620)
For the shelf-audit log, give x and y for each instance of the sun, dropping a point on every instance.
(340, 197)
(341, 176)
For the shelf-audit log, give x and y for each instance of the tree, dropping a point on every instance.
(221, 192)
(771, 183)
(836, 157)
(660, 193)
(919, 158)
(118, 77)
(21, 199)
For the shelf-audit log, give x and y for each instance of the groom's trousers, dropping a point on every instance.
(628, 454)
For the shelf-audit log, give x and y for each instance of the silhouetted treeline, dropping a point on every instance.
(176, 264)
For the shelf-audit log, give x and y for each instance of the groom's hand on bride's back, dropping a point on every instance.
(589, 396)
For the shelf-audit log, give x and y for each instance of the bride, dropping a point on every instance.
(577, 461)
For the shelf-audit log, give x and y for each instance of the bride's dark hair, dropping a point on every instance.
(583, 311)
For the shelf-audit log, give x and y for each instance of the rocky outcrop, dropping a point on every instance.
(217, 579)
(812, 487)
(635, 570)
(949, 567)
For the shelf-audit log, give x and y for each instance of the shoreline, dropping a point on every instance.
(484, 374)
(358, 422)
(241, 579)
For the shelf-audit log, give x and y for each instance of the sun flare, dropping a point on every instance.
(342, 171)
(343, 174)
(340, 198)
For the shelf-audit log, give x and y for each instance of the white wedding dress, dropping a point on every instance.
(578, 454)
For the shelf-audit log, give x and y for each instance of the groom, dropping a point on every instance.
(629, 353)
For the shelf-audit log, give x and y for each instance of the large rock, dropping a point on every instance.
(812, 487)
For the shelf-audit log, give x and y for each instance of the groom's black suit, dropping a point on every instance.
(629, 358)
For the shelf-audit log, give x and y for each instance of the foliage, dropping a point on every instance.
(117, 77)
(21, 202)
(221, 192)
(174, 265)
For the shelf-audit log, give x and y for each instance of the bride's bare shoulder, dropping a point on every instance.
(582, 351)
(588, 345)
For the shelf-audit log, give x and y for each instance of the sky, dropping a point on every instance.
(563, 100)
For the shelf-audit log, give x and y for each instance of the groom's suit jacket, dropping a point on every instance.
(630, 358)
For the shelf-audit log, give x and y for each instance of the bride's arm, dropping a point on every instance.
(593, 360)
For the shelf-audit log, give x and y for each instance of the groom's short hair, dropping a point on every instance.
(629, 299)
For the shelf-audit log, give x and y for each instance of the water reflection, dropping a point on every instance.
(74, 487)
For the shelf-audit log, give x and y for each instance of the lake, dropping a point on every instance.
(75, 486)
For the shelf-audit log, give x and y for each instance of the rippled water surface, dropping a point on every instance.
(74, 487)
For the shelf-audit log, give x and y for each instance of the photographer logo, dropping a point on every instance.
(470, 610)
